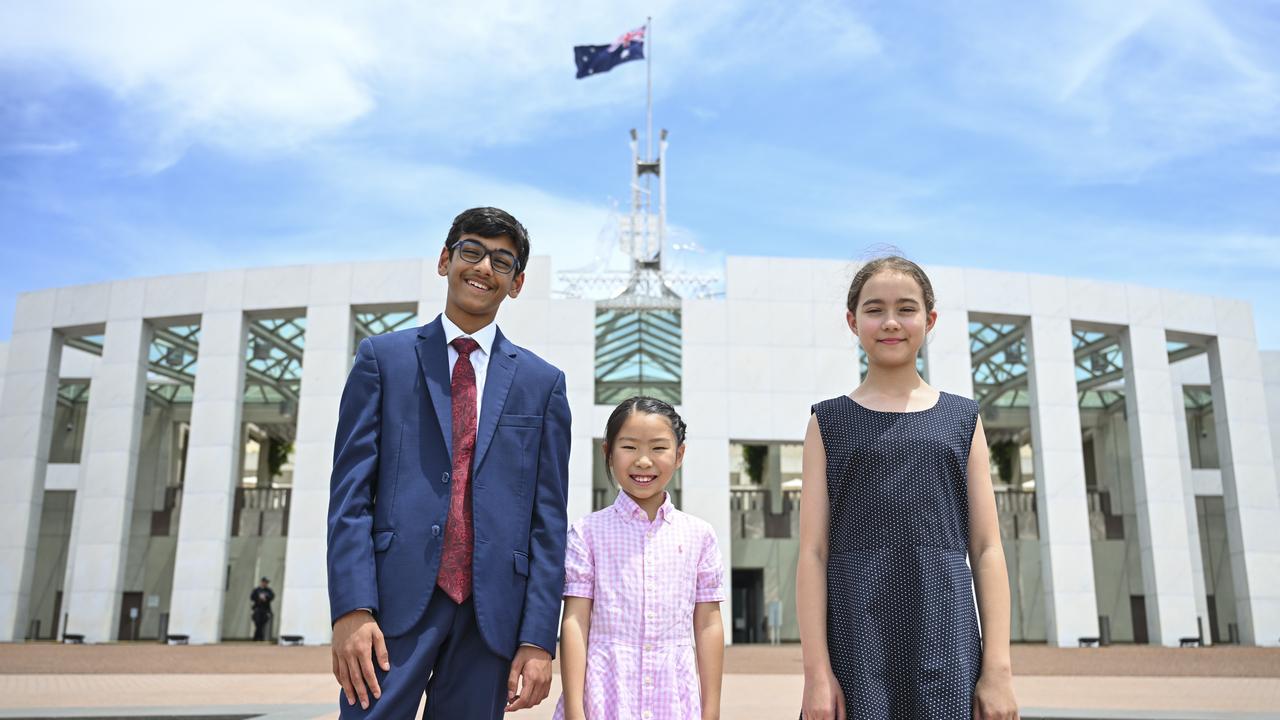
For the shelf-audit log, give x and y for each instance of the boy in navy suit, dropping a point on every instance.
(447, 502)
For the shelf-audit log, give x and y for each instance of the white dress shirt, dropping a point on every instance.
(479, 357)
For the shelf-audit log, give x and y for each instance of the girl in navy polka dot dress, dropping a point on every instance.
(897, 497)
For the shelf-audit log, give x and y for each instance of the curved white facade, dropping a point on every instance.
(753, 362)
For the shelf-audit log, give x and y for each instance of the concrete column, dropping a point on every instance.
(1248, 478)
(304, 599)
(1191, 516)
(948, 355)
(26, 424)
(947, 349)
(1159, 498)
(1066, 553)
(1271, 381)
(213, 456)
(582, 446)
(706, 495)
(108, 477)
(773, 477)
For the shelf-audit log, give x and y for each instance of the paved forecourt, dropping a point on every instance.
(272, 683)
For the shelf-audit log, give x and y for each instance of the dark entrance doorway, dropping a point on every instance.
(130, 615)
(1138, 608)
(56, 626)
(748, 605)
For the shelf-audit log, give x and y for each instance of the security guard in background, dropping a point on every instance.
(261, 598)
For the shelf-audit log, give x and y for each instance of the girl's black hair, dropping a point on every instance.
(641, 404)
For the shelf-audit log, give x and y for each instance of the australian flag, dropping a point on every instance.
(593, 59)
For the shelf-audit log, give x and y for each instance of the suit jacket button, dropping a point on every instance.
(435, 530)
(445, 478)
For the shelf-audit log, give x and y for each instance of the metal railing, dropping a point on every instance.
(751, 508)
(1019, 519)
(261, 512)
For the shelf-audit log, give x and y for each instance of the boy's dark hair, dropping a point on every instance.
(641, 404)
(892, 263)
(490, 222)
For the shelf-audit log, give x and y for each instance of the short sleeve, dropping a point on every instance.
(710, 571)
(579, 564)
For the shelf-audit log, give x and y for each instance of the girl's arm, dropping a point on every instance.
(823, 698)
(993, 698)
(574, 631)
(708, 637)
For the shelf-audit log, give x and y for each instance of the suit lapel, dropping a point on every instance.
(497, 382)
(433, 360)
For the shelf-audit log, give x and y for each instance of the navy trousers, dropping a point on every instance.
(444, 656)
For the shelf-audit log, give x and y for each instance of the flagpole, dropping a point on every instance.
(648, 65)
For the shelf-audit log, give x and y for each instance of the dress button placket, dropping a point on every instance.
(646, 659)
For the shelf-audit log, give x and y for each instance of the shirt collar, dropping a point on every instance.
(629, 508)
(483, 337)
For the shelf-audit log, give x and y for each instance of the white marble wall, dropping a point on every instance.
(4, 363)
(947, 354)
(753, 364)
(1271, 380)
(1249, 486)
(108, 472)
(1189, 492)
(213, 457)
(26, 419)
(1162, 506)
(1061, 502)
(326, 359)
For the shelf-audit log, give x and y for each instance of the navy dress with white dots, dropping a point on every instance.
(902, 629)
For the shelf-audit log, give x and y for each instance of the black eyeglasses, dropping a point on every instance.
(473, 252)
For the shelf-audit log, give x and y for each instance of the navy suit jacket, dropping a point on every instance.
(389, 493)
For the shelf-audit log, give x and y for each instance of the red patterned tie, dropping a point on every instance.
(459, 538)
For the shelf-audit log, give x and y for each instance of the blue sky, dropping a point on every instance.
(1134, 141)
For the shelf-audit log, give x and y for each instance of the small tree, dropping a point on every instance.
(277, 455)
(1003, 454)
(753, 457)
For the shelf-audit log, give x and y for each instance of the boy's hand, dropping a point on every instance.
(357, 637)
(532, 665)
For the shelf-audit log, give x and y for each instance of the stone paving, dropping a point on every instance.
(231, 680)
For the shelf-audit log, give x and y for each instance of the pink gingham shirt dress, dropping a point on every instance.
(644, 579)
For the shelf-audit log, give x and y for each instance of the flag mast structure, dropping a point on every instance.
(638, 331)
(638, 345)
(644, 232)
(648, 83)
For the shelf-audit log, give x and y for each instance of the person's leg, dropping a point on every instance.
(470, 680)
(258, 625)
(412, 655)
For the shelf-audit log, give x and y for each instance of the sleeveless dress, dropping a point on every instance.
(902, 629)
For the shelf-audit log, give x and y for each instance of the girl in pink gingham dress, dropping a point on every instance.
(642, 637)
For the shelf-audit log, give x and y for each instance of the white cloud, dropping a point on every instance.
(1110, 89)
(238, 74)
(255, 77)
(56, 147)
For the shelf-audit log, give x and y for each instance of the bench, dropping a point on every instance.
(1090, 642)
(178, 639)
(72, 639)
(1190, 642)
(290, 639)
